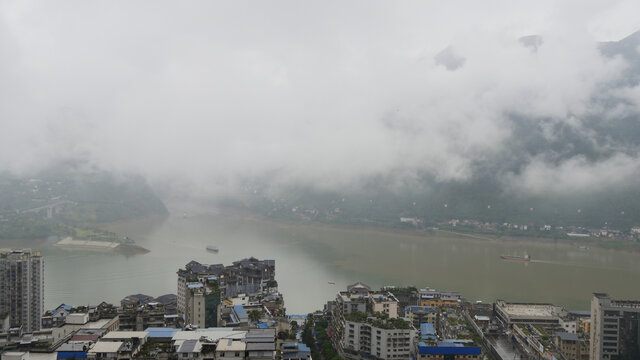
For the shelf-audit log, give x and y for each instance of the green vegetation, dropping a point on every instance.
(68, 202)
(320, 349)
(255, 315)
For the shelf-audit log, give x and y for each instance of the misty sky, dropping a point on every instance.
(322, 92)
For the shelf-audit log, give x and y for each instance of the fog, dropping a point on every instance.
(325, 93)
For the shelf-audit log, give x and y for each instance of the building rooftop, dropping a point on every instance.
(231, 345)
(261, 346)
(106, 347)
(85, 337)
(529, 309)
(565, 336)
(117, 335)
(419, 309)
(74, 346)
(212, 334)
(448, 350)
(159, 332)
(190, 346)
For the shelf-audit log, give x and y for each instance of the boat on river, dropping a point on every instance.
(525, 258)
(212, 249)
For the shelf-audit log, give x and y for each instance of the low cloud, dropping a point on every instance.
(325, 93)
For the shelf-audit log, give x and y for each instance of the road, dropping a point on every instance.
(506, 349)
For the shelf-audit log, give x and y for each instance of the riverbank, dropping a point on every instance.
(420, 234)
(105, 246)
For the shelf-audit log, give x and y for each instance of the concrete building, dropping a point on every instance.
(543, 315)
(225, 343)
(362, 329)
(246, 276)
(384, 303)
(434, 298)
(418, 315)
(571, 346)
(295, 351)
(139, 312)
(370, 339)
(202, 304)
(261, 344)
(230, 349)
(615, 328)
(22, 288)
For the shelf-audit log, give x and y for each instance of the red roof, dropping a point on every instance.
(85, 338)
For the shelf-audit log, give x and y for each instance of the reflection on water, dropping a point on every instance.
(310, 258)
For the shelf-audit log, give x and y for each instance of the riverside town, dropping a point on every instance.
(235, 311)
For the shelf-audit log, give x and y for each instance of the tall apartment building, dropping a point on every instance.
(615, 328)
(202, 303)
(22, 288)
(365, 325)
(246, 276)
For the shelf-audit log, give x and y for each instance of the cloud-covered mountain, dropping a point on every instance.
(410, 99)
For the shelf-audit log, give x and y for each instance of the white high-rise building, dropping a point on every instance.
(22, 287)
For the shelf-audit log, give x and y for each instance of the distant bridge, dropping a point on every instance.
(50, 208)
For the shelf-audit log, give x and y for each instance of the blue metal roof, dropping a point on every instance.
(160, 332)
(71, 355)
(299, 346)
(66, 307)
(449, 350)
(427, 331)
(262, 325)
(194, 286)
(241, 312)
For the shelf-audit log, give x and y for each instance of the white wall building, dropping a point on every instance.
(22, 287)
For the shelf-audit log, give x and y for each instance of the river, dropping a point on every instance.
(308, 257)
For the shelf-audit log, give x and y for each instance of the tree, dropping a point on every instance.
(255, 315)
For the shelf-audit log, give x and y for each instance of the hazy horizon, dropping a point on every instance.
(324, 94)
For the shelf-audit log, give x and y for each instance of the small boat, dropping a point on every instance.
(583, 248)
(331, 283)
(525, 258)
(212, 249)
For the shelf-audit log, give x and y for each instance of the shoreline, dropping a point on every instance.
(414, 233)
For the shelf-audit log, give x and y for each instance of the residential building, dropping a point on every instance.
(384, 303)
(246, 276)
(230, 349)
(261, 344)
(428, 333)
(362, 329)
(615, 328)
(139, 312)
(118, 345)
(55, 317)
(377, 339)
(406, 297)
(571, 346)
(295, 351)
(202, 304)
(22, 288)
(421, 314)
(436, 299)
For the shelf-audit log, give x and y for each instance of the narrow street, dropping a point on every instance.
(506, 349)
